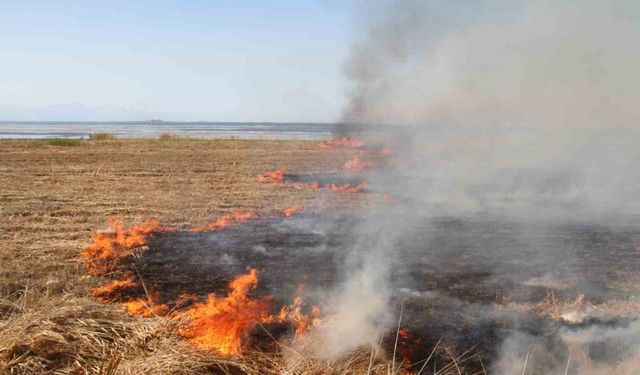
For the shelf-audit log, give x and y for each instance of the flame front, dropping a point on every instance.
(223, 324)
(293, 313)
(113, 290)
(346, 188)
(367, 159)
(145, 308)
(224, 221)
(288, 212)
(275, 177)
(341, 142)
(110, 248)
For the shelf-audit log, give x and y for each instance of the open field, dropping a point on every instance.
(481, 291)
(53, 196)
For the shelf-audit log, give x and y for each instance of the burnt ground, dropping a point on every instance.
(455, 276)
(324, 179)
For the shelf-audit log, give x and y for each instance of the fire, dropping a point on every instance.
(293, 313)
(347, 188)
(109, 248)
(223, 324)
(341, 142)
(357, 162)
(219, 323)
(113, 290)
(275, 177)
(288, 212)
(224, 221)
(408, 344)
(367, 159)
(314, 185)
(145, 308)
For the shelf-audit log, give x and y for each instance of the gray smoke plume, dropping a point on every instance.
(524, 109)
(529, 103)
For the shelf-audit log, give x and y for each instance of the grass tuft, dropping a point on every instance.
(168, 137)
(64, 142)
(101, 136)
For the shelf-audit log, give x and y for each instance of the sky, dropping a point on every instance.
(173, 60)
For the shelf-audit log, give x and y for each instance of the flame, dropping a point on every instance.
(275, 177)
(224, 221)
(367, 159)
(288, 212)
(314, 185)
(223, 324)
(408, 344)
(112, 291)
(293, 313)
(358, 162)
(347, 188)
(341, 142)
(146, 309)
(109, 248)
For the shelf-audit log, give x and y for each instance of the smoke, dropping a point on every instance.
(595, 350)
(496, 90)
(522, 109)
(359, 306)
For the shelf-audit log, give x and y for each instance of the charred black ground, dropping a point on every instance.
(324, 179)
(452, 274)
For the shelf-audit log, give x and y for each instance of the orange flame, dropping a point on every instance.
(357, 162)
(224, 221)
(314, 185)
(346, 188)
(341, 142)
(408, 343)
(145, 308)
(275, 177)
(112, 291)
(223, 324)
(109, 248)
(293, 313)
(367, 159)
(288, 212)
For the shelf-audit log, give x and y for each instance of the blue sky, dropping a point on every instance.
(175, 60)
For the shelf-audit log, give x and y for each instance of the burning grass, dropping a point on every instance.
(343, 142)
(223, 324)
(111, 247)
(50, 324)
(224, 221)
(54, 198)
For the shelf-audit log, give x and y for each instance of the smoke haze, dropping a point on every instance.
(526, 110)
(532, 101)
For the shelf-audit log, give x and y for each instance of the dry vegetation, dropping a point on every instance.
(53, 197)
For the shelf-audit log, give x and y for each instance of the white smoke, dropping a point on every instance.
(498, 89)
(524, 108)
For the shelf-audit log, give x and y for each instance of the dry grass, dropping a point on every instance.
(101, 136)
(63, 142)
(52, 198)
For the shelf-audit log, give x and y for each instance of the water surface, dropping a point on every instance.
(153, 129)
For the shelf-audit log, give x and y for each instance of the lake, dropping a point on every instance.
(153, 129)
